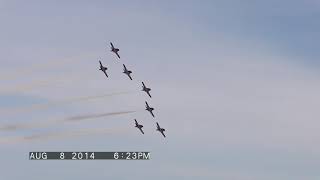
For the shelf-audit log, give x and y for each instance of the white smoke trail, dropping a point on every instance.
(42, 83)
(48, 64)
(66, 120)
(63, 134)
(58, 103)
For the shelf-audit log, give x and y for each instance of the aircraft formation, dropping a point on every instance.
(144, 88)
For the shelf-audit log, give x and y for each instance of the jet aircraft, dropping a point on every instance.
(126, 71)
(145, 89)
(160, 130)
(103, 68)
(139, 126)
(115, 50)
(150, 109)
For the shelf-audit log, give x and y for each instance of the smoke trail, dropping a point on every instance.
(29, 86)
(46, 82)
(13, 127)
(63, 134)
(51, 104)
(72, 133)
(48, 64)
(66, 120)
(94, 116)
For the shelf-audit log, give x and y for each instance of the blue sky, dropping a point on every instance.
(235, 84)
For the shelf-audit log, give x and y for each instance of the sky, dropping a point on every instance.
(234, 83)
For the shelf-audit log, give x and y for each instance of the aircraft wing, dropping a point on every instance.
(117, 55)
(130, 76)
(148, 94)
(163, 134)
(111, 45)
(105, 73)
(152, 113)
(141, 130)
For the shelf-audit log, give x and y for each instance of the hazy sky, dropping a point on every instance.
(234, 83)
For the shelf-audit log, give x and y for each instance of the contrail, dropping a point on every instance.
(66, 120)
(63, 134)
(34, 67)
(51, 104)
